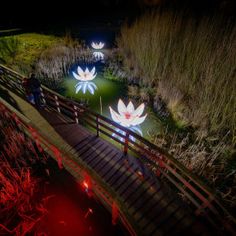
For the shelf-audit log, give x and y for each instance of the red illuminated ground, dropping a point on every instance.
(72, 212)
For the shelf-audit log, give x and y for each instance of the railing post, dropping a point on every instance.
(76, 114)
(57, 103)
(126, 144)
(43, 96)
(97, 125)
(58, 156)
(115, 213)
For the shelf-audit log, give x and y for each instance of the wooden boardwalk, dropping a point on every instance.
(150, 206)
(155, 209)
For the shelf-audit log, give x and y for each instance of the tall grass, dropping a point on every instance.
(211, 161)
(55, 62)
(191, 64)
(21, 207)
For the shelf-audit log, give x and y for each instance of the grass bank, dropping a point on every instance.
(20, 52)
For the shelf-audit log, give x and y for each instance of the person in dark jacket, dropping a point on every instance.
(35, 85)
(27, 89)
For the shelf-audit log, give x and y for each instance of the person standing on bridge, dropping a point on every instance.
(28, 93)
(35, 85)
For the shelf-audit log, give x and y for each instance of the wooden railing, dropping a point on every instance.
(166, 167)
(63, 159)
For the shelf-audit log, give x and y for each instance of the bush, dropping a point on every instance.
(9, 47)
(21, 207)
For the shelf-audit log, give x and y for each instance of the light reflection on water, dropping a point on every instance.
(86, 86)
(107, 94)
(136, 129)
(98, 55)
(102, 93)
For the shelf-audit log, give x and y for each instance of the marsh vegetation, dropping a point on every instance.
(183, 67)
(189, 64)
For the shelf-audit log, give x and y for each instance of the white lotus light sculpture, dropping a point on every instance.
(98, 55)
(85, 86)
(85, 75)
(85, 78)
(128, 116)
(99, 45)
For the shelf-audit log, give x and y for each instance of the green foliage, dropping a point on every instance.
(55, 62)
(9, 48)
(49, 56)
(110, 75)
(26, 49)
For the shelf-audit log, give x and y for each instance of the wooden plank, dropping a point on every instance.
(102, 164)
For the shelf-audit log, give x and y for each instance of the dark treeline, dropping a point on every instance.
(65, 12)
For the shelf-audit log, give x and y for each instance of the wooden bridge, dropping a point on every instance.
(144, 187)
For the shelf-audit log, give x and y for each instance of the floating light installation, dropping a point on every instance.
(85, 75)
(85, 78)
(99, 45)
(128, 115)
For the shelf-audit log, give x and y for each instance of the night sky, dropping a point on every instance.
(41, 12)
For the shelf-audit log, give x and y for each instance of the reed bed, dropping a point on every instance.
(21, 207)
(189, 64)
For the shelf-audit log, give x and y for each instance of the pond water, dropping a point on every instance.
(100, 93)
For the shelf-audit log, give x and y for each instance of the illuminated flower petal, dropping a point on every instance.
(139, 110)
(84, 75)
(87, 70)
(93, 71)
(139, 120)
(121, 107)
(128, 116)
(130, 107)
(124, 122)
(80, 71)
(115, 116)
(76, 76)
(99, 45)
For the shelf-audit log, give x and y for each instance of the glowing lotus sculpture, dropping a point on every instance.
(85, 78)
(98, 55)
(128, 116)
(85, 86)
(97, 46)
(85, 75)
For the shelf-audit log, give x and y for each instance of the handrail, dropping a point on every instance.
(42, 143)
(200, 196)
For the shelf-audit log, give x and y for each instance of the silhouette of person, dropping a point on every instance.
(28, 92)
(35, 85)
